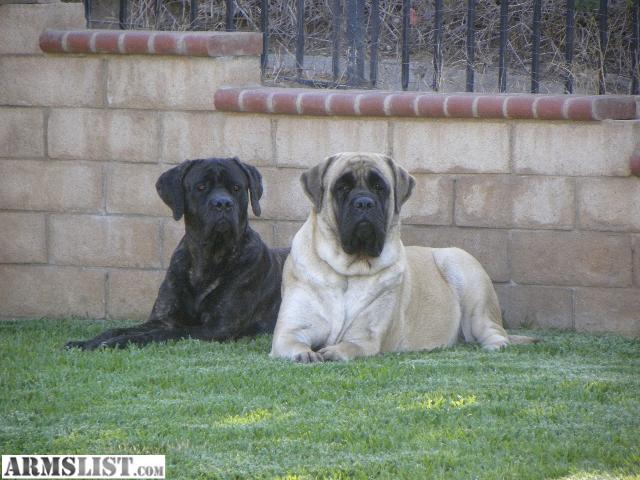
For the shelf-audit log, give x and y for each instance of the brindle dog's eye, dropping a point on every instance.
(236, 188)
(201, 187)
(378, 186)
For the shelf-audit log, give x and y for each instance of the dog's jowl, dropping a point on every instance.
(351, 288)
(223, 282)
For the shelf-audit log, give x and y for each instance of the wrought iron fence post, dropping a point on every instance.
(299, 37)
(123, 15)
(193, 13)
(535, 48)
(502, 67)
(88, 11)
(406, 7)
(156, 12)
(230, 13)
(635, 48)
(336, 10)
(375, 41)
(568, 54)
(360, 40)
(437, 47)
(264, 25)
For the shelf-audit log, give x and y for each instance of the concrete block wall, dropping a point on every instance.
(83, 138)
(540, 189)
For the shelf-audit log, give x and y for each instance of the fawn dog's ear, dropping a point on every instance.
(403, 183)
(313, 181)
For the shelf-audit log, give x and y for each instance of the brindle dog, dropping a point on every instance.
(223, 282)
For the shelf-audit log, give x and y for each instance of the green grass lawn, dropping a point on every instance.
(566, 408)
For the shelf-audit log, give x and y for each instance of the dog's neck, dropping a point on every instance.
(210, 254)
(327, 246)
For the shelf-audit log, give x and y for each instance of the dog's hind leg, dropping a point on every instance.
(139, 338)
(108, 336)
(484, 320)
(481, 320)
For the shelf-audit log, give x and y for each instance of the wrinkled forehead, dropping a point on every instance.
(359, 164)
(214, 170)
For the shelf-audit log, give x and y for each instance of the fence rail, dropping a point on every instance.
(353, 12)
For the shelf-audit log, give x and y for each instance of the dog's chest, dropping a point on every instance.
(359, 299)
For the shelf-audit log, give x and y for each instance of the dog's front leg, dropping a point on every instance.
(290, 346)
(299, 328)
(363, 337)
(352, 348)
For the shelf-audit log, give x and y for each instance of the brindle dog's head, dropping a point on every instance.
(361, 193)
(213, 196)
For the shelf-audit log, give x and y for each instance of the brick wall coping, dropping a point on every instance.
(149, 42)
(356, 103)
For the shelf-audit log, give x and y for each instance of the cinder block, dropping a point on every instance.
(608, 310)
(611, 204)
(172, 233)
(21, 25)
(571, 258)
(42, 290)
(284, 233)
(186, 83)
(131, 188)
(431, 202)
(306, 141)
(55, 81)
(21, 132)
(189, 135)
(22, 238)
(283, 197)
(90, 134)
(248, 137)
(574, 148)
(533, 306)
(132, 293)
(488, 246)
(445, 146)
(50, 186)
(264, 228)
(104, 241)
(515, 201)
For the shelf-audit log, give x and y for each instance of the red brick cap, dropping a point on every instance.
(149, 42)
(364, 103)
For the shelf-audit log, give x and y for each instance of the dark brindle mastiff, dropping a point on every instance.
(223, 282)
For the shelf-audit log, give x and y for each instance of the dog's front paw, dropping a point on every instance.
(308, 357)
(334, 353)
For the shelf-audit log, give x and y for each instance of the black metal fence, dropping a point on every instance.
(363, 25)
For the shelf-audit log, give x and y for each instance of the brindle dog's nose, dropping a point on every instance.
(222, 203)
(363, 203)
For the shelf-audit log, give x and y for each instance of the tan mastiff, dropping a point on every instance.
(350, 288)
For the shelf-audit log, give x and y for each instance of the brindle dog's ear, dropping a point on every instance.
(403, 183)
(312, 182)
(171, 189)
(255, 184)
